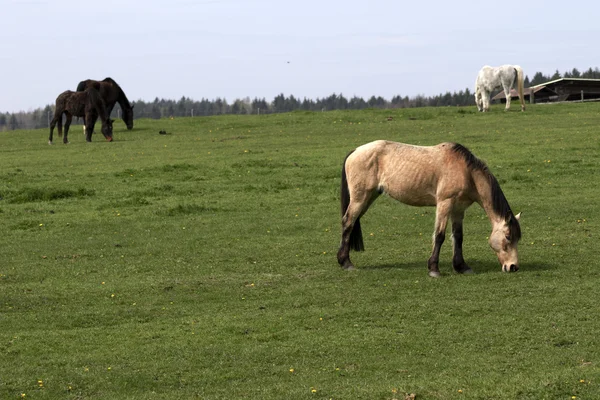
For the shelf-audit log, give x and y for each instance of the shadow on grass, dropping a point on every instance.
(399, 265)
(492, 267)
(484, 267)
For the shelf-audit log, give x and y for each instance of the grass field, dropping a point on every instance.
(201, 264)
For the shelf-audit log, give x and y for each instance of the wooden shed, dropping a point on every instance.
(564, 89)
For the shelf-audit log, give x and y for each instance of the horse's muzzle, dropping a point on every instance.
(510, 268)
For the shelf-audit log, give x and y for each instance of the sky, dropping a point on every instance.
(260, 48)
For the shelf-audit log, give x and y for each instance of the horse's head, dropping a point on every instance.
(128, 117)
(107, 129)
(504, 240)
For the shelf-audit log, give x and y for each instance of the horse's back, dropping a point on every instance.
(491, 78)
(409, 173)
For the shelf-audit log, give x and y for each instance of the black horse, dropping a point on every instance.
(87, 104)
(111, 93)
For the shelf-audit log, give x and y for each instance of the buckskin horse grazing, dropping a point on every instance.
(447, 176)
(111, 93)
(87, 104)
(492, 78)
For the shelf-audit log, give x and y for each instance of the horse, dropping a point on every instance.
(111, 93)
(492, 78)
(87, 104)
(447, 176)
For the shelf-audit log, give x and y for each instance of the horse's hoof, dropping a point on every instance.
(467, 271)
(434, 274)
(50, 142)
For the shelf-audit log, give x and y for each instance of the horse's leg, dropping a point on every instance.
(67, 125)
(458, 261)
(358, 206)
(484, 103)
(442, 213)
(478, 100)
(507, 94)
(89, 129)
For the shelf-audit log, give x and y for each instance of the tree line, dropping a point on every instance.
(186, 107)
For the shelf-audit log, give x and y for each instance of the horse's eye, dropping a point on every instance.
(507, 237)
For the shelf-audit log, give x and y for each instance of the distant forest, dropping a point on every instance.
(186, 107)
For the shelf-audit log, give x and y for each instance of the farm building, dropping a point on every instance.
(564, 89)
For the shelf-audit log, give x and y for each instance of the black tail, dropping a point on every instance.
(356, 239)
(81, 86)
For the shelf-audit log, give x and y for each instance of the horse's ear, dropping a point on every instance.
(518, 217)
(132, 105)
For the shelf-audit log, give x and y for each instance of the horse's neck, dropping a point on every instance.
(122, 100)
(483, 185)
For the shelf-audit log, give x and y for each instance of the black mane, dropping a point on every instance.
(499, 202)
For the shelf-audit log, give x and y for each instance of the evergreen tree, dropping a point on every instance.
(155, 111)
(279, 103)
(12, 122)
(538, 78)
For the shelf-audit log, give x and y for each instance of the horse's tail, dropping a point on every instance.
(59, 124)
(520, 87)
(356, 239)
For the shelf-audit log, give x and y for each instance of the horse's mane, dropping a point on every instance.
(499, 202)
(121, 92)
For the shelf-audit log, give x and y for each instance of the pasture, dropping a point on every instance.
(202, 263)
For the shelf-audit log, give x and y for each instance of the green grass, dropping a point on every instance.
(201, 264)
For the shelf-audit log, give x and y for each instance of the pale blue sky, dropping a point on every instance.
(235, 48)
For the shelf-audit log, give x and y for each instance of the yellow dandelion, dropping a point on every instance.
(292, 370)
(41, 224)
(313, 390)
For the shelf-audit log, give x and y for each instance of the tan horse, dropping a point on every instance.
(447, 176)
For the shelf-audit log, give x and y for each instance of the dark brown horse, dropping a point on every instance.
(111, 93)
(447, 176)
(87, 104)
